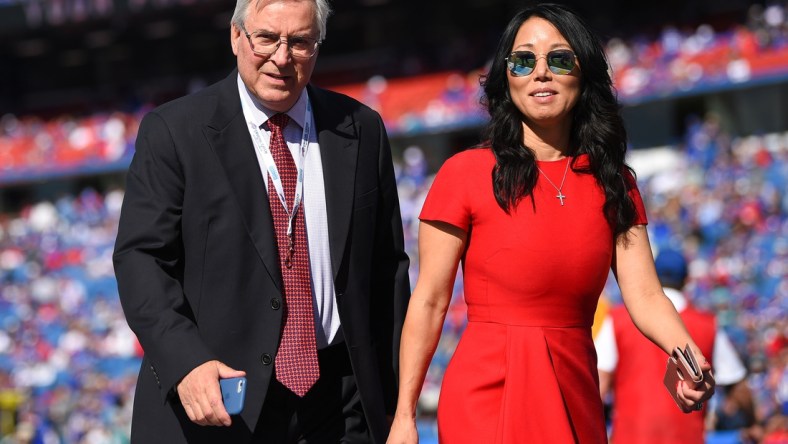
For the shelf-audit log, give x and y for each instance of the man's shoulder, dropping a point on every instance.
(340, 102)
(192, 105)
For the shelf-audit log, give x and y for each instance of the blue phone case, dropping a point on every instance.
(233, 394)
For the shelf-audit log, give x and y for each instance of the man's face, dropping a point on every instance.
(276, 79)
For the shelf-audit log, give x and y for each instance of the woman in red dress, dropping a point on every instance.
(538, 216)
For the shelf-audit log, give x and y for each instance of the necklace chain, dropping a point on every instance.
(560, 196)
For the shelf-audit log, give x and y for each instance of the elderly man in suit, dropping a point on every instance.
(260, 236)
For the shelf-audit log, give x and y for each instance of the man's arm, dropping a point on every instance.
(605, 381)
(149, 258)
(728, 367)
(390, 271)
(607, 355)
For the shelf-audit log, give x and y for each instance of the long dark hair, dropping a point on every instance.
(597, 127)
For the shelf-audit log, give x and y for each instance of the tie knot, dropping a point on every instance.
(278, 121)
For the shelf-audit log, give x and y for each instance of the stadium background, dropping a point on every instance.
(704, 86)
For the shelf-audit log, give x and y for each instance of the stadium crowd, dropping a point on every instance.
(675, 61)
(686, 59)
(32, 146)
(68, 361)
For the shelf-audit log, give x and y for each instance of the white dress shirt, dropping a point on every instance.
(327, 326)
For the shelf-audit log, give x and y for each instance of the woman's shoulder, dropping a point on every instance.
(582, 161)
(454, 192)
(474, 158)
(469, 166)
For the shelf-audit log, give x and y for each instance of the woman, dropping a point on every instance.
(538, 218)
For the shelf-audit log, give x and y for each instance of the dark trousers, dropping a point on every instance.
(329, 413)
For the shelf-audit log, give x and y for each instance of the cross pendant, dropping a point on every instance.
(560, 197)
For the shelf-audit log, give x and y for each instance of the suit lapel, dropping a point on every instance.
(338, 139)
(229, 138)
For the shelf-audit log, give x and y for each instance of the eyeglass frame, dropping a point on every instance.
(543, 56)
(284, 40)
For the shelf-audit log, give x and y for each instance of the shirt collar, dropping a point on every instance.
(258, 113)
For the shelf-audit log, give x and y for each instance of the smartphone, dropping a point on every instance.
(689, 356)
(682, 366)
(233, 394)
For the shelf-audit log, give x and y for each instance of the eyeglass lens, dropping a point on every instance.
(522, 63)
(266, 43)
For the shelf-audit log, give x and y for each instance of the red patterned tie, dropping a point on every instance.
(296, 362)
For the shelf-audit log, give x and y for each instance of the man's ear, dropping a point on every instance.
(235, 37)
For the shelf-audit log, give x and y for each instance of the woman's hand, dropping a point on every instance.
(403, 431)
(693, 396)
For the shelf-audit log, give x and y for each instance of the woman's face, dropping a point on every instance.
(544, 98)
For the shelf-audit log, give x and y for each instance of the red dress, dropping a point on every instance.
(524, 370)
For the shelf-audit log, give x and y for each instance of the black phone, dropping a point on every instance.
(233, 394)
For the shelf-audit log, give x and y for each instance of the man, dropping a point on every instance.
(261, 236)
(643, 411)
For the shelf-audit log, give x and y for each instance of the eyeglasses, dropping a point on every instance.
(265, 43)
(522, 63)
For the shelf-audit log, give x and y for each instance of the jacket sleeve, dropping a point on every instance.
(390, 271)
(149, 256)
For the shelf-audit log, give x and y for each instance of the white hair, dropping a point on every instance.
(322, 11)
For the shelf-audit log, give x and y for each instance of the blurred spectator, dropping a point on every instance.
(633, 369)
(736, 411)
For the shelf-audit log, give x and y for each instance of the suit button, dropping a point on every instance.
(266, 359)
(276, 304)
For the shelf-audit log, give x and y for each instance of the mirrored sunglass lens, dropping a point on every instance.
(561, 62)
(521, 63)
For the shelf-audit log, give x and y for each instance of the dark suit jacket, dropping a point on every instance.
(198, 268)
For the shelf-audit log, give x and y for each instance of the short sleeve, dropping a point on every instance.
(634, 194)
(447, 200)
(728, 368)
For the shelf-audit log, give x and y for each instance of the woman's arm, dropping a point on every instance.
(651, 311)
(441, 246)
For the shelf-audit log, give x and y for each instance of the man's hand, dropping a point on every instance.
(200, 394)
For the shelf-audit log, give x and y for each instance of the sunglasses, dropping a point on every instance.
(522, 63)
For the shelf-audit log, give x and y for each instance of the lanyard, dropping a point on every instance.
(262, 145)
